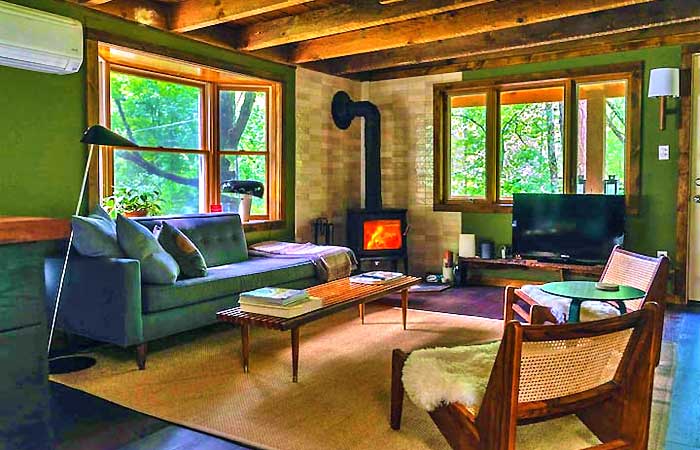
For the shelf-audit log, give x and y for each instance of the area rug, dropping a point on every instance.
(342, 398)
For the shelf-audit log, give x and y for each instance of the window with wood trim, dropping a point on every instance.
(574, 131)
(196, 127)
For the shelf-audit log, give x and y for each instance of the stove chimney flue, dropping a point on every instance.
(344, 110)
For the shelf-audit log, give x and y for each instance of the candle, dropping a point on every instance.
(467, 245)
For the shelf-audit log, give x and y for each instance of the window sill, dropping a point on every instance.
(263, 225)
(474, 207)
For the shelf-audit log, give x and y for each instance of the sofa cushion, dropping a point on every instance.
(226, 280)
(137, 241)
(184, 251)
(219, 237)
(96, 235)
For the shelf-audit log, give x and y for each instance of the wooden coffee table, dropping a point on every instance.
(336, 296)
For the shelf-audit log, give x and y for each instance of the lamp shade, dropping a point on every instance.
(664, 82)
(99, 135)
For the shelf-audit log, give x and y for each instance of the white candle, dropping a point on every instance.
(467, 245)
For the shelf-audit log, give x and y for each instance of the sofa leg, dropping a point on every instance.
(398, 358)
(141, 350)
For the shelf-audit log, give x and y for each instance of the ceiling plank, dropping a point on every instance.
(191, 15)
(147, 12)
(676, 34)
(93, 2)
(469, 21)
(341, 18)
(617, 21)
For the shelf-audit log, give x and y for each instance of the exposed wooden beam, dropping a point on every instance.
(194, 14)
(147, 12)
(602, 23)
(93, 2)
(683, 33)
(341, 18)
(469, 21)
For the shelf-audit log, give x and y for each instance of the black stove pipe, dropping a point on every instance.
(344, 110)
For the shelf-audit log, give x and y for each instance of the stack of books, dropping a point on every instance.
(278, 302)
(376, 277)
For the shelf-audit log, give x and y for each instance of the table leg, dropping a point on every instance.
(361, 309)
(622, 307)
(575, 310)
(295, 354)
(245, 346)
(404, 306)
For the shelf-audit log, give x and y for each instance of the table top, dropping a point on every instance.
(336, 295)
(586, 290)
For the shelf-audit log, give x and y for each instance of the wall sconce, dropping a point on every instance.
(664, 83)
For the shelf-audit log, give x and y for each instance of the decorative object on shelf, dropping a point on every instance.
(487, 249)
(467, 245)
(664, 82)
(448, 270)
(581, 184)
(248, 189)
(133, 202)
(611, 185)
(93, 136)
(323, 229)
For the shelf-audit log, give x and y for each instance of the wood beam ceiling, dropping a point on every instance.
(191, 15)
(530, 37)
(469, 21)
(148, 12)
(676, 34)
(341, 18)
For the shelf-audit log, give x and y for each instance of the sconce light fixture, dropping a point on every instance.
(663, 83)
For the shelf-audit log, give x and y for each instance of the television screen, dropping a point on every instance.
(567, 227)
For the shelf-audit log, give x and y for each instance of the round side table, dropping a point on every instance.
(585, 291)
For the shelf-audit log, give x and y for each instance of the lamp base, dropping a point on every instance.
(69, 364)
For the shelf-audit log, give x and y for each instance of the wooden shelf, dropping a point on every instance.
(16, 229)
(564, 270)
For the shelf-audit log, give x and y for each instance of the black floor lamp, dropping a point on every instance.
(95, 135)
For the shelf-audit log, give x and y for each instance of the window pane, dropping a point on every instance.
(177, 176)
(243, 120)
(602, 134)
(155, 113)
(244, 167)
(468, 146)
(532, 129)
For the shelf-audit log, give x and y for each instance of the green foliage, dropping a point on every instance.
(157, 113)
(468, 157)
(126, 200)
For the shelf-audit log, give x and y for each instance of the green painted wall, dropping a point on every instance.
(42, 117)
(654, 228)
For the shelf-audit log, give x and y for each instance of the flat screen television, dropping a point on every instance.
(567, 227)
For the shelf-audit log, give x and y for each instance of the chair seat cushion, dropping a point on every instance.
(226, 280)
(438, 376)
(559, 306)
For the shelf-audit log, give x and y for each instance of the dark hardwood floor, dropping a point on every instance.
(82, 421)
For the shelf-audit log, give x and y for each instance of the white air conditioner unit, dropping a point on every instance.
(36, 40)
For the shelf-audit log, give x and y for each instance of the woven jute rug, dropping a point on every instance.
(341, 400)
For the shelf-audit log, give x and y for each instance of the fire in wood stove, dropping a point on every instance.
(382, 234)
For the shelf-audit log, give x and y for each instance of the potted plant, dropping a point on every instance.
(133, 202)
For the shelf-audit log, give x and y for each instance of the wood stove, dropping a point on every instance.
(374, 233)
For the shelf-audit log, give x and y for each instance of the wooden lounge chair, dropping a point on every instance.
(601, 371)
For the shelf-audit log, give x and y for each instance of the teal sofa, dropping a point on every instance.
(105, 300)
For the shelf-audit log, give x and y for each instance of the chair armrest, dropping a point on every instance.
(101, 298)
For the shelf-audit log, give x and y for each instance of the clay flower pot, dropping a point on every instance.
(138, 213)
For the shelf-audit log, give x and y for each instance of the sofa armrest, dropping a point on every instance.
(101, 298)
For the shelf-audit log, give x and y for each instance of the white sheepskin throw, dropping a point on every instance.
(560, 305)
(436, 376)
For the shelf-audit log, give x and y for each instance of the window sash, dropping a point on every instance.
(494, 202)
(209, 136)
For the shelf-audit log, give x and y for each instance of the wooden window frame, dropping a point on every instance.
(102, 176)
(632, 73)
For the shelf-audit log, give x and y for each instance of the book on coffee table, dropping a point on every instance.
(274, 296)
(295, 309)
(375, 277)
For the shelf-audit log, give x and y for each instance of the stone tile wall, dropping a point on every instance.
(327, 159)
(330, 161)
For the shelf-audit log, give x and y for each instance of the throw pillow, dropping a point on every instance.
(96, 235)
(180, 247)
(137, 241)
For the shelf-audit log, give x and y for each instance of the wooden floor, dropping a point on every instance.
(82, 421)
